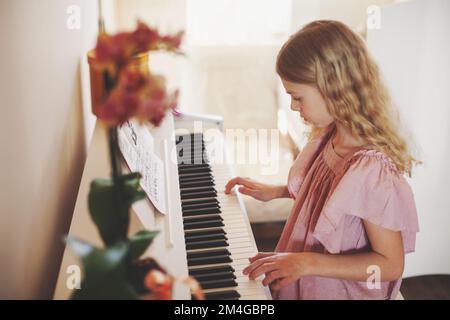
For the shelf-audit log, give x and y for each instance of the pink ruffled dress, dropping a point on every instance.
(332, 197)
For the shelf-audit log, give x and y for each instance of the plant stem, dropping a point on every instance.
(114, 153)
(118, 190)
(120, 207)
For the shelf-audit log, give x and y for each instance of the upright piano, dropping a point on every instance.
(204, 233)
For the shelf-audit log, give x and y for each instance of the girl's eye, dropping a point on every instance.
(297, 99)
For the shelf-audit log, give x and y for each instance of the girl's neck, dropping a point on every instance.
(344, 139)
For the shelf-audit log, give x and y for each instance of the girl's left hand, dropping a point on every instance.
(280, 268)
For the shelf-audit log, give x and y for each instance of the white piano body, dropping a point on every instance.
(169, 247)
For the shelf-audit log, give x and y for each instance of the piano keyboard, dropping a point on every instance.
(217, 233)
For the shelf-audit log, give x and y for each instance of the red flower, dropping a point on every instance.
(117, 49)
(118, 108)
(144, 38)
(173, 42)
(133, 93)
(160, 284)
(137, 95)
(132, 80)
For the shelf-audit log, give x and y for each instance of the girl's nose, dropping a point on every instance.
(295, 106)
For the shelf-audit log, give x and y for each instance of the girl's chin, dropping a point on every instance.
(305, 119)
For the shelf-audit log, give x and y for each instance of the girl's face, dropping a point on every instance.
(308, 101)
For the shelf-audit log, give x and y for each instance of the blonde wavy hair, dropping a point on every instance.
(330, 56)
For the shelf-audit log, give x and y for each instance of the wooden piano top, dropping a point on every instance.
(143, 215)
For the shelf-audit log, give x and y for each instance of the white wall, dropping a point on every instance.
(42, 137)
(413, 51)
(351, 12)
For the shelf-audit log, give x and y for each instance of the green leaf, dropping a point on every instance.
(140, 241)
(109, 205)
(80, 247)
(104, 271)
(99, 263)
(103, 262)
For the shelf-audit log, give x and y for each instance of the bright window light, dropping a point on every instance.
(237, 22)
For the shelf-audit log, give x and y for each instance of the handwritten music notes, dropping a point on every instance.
(136, 145)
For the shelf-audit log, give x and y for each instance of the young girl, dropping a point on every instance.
(354, 216)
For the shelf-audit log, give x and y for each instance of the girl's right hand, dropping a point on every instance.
(259, 191)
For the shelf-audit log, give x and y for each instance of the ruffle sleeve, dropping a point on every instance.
(371, 189)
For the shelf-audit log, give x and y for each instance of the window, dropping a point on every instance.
(237, 22)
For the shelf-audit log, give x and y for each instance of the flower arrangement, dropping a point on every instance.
(130, 91)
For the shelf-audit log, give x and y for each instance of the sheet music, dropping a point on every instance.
(136, 145)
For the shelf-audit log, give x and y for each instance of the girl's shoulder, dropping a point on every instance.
(374, 173)
(369, 158)
(371, 189)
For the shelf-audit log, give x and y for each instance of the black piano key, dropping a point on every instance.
(206, 244)
(199, 195)
(192, 183)
(216, 284)
(202, 232)
(197, 184)
(209, 270)
(202, 225)
(210, 217)
(208, 253)
(199, 165)
(194, 171)
(198, 190)
(185, 203)
(210, 205)
(184, 177)
(208, 208)
(226, 294)
(215, 237)
(196, 178)
(202, 217)
(189, 178)
(188, 201)
(209, 190)
(204, 214)
(212, 193)
(205, 205)
(209, 260)
(215, 275)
